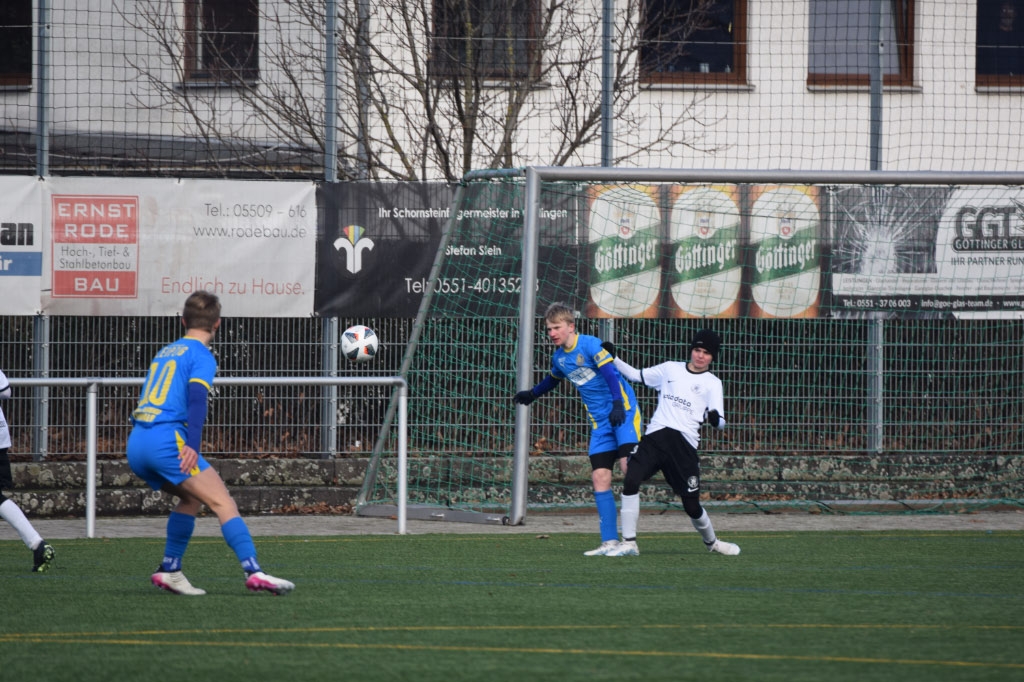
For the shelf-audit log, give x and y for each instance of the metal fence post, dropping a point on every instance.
(91, 446)
(329, 407)
(42, 89)
(40, 394)
(331, 93)
(876, 391)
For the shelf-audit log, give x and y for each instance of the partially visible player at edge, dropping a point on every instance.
(163, 450)
(611, 406)
(42, 553)
(689, 395)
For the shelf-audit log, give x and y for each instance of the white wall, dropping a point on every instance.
(941, 123)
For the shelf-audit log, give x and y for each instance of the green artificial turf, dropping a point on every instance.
(876, 606)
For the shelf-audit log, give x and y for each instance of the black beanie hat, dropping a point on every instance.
(709, 341)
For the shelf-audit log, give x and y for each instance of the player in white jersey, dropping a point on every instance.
(42, 552)
(689, 396)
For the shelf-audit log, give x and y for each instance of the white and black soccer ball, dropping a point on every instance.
(359, 343)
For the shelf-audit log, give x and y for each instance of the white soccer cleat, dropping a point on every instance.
(176, 582)
(606, 547)
(261, 582)
(625, 548)
(723, 547)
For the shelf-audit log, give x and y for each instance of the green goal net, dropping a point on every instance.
(873, 339)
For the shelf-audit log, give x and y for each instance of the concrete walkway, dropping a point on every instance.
(539, 523)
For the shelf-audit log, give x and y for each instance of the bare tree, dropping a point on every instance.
(427, 91)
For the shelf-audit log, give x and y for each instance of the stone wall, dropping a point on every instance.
(57, 489)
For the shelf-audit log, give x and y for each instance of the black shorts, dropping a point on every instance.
(667, 451)
(607, 460)
(6, 480)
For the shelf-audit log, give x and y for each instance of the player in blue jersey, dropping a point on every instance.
(163, 450)
(610, 402)
(689, 396)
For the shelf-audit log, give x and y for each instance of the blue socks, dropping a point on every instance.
(607, 514)
(236, 534)
(179, 532)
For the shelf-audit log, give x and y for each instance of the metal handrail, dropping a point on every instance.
(92, 384)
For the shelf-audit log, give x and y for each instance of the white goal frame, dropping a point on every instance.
(536, 175)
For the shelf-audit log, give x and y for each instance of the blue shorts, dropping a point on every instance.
(605, 438)
(153, 453)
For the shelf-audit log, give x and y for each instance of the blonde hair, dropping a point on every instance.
(560, 312)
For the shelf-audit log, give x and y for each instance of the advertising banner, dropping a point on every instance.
(624, 237)
(785, 273)
(379, 242)
(143, 249)
(21, 245)
(705, 267)
(376, 247)
(803, 251)
(97, 246)
(697, 251)
(929, 251)
(482, 272)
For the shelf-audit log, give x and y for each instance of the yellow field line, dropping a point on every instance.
(41, 636)
(286, 539)
(530, 650)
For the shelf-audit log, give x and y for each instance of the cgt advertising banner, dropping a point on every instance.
(21, 244)
(929, 251)
(143, 249)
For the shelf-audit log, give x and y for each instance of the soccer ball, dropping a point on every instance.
(359, 343)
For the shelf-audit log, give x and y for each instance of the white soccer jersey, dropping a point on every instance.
(5, 392)
(684, 397)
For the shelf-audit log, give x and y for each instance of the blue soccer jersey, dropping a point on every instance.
(580, 366)
(164, 398)
(161, 417)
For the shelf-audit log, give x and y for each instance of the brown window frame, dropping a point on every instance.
(204, 61)
(16, 41)
(903, 28)
(737, 29)
(448, 58)
(994, 11)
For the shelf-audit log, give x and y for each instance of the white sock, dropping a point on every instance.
(13, 515)
(629, 514)
(703, 526)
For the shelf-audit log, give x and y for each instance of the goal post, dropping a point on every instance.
(537, 176)
(839, 296)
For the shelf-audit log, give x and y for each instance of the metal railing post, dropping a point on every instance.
(403, 456)
(90, 459)
(331, 92)
(43, 89)
(41, 394)
(329, 408)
